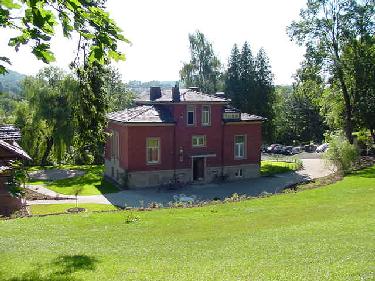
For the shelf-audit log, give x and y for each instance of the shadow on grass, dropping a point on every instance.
(93, 177)
(365, 173)
(66, 266)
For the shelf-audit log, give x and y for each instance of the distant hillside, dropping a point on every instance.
(139, 86)
(11, 82)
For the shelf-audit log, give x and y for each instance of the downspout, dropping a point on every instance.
(222, 148)
(174, 153)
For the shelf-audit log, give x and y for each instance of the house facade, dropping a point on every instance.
(181, 136)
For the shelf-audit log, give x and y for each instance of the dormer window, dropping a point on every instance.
(206, 115)
(190, 115)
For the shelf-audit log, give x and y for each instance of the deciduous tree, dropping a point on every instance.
(203, 70)
(325, 28)
(37, 21)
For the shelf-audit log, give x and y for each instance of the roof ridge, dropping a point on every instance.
(140, 112)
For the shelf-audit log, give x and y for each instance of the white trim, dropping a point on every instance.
(203, 155)
(244, 147)
(159, 151)
(209, 115)
(199, 136)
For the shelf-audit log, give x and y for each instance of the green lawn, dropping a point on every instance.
(319, 234)
(92, 181)
(269, 167)
(61, 208)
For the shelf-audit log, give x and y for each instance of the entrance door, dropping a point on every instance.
(198, 169)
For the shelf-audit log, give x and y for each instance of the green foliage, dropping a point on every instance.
(91, 110)
(46, 116)
(249, 84)
(297, 113)
(329, 229)
(203, 70)
(119, 96)
(359, 58)
(36, 22)
(326, 28)
(276, 167)
(17, 180)
(341, 153)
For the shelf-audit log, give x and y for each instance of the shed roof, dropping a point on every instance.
(14, 149)
(9, 132)
(143, 114)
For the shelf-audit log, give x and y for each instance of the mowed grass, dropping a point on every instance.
(319, 234)
(45, 209)
(92, 181)
(269, 167)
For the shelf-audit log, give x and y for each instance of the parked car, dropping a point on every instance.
(310, 148)
(296, 150)
(287, 150)
(274, 148)
(322, 148)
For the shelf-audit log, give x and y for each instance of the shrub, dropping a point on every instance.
(341, 153)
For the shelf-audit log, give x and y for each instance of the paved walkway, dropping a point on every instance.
(313, 168)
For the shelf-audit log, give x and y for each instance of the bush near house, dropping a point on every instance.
(269, 167)
(318, 234)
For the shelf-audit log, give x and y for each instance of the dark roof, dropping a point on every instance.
(9, 132)
(143, 114)
(187, 95)
(15, 149)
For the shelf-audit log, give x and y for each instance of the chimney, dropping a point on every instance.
(155, 93)
(176, 97)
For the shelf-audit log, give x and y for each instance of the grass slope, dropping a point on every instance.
(61, 208)
(92, 181)
(319, 234)
(269, 167)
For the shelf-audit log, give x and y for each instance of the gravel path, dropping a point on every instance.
(312, 169)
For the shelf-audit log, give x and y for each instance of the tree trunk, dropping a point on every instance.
(348, 105)
(372, 131)
(47, 151)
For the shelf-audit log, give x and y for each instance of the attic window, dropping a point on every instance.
(232, 115)
(190, 115)
(206, 115)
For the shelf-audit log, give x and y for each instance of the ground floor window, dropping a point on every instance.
(199, 141)
(239, 147)
(153, 150)
(238, 173)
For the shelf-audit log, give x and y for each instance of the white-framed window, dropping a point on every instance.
(190, 115)
(198, 141)
(232, 115)
(206, 115)
(238, 173)
(153, 150)
(240, 147)
(115, 145)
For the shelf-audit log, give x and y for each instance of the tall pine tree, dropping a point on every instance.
(247, 79)
(264, 91)
(232, 82)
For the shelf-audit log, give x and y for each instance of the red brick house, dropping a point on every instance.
(183, 136)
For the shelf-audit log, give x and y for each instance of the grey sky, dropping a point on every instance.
(159, 31)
